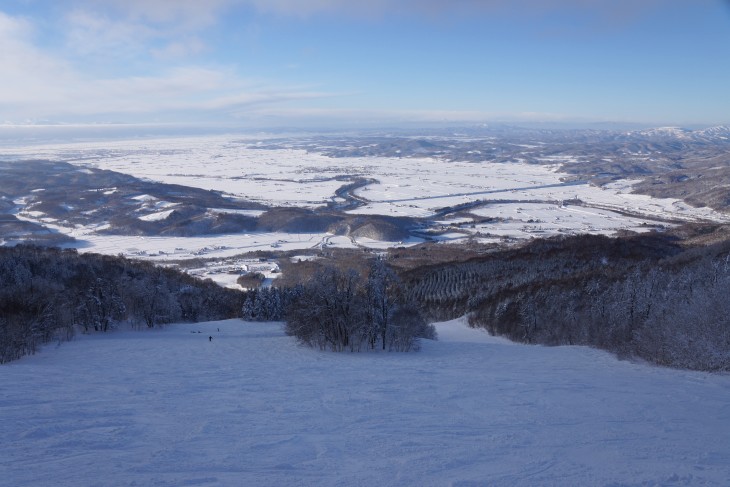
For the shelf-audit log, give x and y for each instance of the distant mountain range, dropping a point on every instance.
(719, 133)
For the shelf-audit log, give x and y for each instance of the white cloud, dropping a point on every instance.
(180, 49)
(11, 27)
(184, 14)
(36, 85)
(27, 69)
(90, 33)
(125, 29)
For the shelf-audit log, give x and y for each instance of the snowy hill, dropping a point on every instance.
(171, 408)
(710, 134)
(720, 132)
(669, 132)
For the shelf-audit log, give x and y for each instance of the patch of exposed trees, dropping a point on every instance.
(340, 310)
(269, 303)
(47, 294)
(640, 296)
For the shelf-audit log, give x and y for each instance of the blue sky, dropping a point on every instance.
(322, 63)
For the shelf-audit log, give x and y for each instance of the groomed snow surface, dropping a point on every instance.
(252, 408)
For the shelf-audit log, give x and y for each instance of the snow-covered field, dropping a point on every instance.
(171, 408)
(521, 201)
(405, 187)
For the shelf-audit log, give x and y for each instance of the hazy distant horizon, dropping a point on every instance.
(29, 134)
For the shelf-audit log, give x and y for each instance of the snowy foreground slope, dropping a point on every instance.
(251, 408)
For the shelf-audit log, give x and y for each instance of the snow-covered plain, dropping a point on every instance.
(405, 187)
(520, 200)
(251, 407)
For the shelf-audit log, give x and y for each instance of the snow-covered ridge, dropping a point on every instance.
(676, 132)
(720, 132)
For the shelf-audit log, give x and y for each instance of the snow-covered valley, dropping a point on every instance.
(430, 198)
(168, 407)
(402, 187)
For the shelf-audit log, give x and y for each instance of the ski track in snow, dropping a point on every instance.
(252, 408)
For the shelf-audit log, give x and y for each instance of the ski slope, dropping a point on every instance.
(251, 408)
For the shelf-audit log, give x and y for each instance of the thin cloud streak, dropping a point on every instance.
(430, 8)
(36, 85)
(194, 14)
(185, 15)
